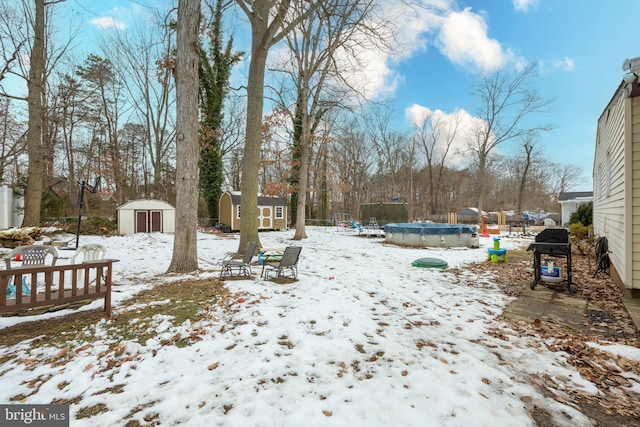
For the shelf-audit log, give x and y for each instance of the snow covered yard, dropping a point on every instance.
(362, 338)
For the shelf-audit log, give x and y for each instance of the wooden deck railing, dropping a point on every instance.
(57, 285)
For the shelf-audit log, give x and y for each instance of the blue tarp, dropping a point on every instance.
(419, 228)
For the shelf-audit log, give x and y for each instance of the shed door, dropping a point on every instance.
(148, 221)
(264, 217)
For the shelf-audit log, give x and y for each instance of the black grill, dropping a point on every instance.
(554, 242)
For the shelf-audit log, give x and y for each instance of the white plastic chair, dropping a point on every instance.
(88, 252)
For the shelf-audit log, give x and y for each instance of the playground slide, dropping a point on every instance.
(356, 226)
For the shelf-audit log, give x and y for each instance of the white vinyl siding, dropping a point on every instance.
(633, 247)
(609, 180)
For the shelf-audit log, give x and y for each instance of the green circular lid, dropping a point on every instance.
(430, 263)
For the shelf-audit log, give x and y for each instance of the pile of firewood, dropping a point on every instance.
(14, 237)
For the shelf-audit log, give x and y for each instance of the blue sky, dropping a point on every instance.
(579, 45)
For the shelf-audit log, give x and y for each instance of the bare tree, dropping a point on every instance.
(11, 139)
(36, 88)
(528, 147)
(33, 24)
(141, 57)
(185, 247)
(351, 159)
(388, 144)
(268, 26)
(314, 73)
(11, 42)
(436, 136)
(506, 106)
(567, 177)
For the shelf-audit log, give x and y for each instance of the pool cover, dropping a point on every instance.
(419, 228)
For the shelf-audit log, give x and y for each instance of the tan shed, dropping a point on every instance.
(272, 212)
(146, 216)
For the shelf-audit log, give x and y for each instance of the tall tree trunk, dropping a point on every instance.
(528, 148)
(482, 176)
(33, 194)
(253, 137)
(303, 173)
(263, 35)
(185, 248)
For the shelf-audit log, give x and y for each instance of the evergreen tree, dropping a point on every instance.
(215, 69)
(583, 215)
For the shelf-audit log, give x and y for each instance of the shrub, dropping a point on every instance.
(579, 231)
(99, 226)
(583, 215)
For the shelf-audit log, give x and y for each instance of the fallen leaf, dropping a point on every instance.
(213, 366)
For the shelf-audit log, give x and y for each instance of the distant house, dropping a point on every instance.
(146, 216)
(570, 201)
(616, 185)
(271, 215)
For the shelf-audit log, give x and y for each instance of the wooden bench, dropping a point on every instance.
(56, 286)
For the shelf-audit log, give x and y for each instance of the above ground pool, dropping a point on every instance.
(431, 234)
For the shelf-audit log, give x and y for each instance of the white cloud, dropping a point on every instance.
(408, 28)
(564, 64)
(465, 41)
(104, 22)
(458, 152)
(524, 5)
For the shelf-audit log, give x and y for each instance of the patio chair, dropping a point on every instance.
(88, 252)
(31, 256)
(288, 265)
(242, 266)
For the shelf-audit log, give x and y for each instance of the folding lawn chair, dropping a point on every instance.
(242, 266)
(288, 264)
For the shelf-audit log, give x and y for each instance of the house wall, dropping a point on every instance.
(609, 182)
(11, 208)
(633, 246)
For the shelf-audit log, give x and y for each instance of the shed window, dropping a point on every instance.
(279, 212)
(238, 211)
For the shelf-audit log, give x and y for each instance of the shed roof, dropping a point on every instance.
(262, 200)
(145, 204)
(575, 195)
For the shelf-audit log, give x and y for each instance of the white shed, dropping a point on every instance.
(146, 216)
